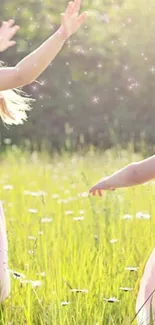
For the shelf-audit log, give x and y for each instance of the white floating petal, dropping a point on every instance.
(7, 141)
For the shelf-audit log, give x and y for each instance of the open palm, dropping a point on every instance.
(7, 31)
(71, 20)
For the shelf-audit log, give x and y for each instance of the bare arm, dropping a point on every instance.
(35, 63)
(32, 65)
(133, 174)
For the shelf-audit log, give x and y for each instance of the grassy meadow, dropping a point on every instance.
(73, 249)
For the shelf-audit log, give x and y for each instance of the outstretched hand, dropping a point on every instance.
(101, 186)
(7, 31)
(71, 20)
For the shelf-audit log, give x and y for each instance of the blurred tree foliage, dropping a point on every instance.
(100, 89)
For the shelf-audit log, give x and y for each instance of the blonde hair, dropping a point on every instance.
(13, 105)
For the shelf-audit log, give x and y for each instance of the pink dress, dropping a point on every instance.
(145, 294)
(4, 270)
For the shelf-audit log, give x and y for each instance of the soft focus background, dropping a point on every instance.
(77, 259)
(100, 89)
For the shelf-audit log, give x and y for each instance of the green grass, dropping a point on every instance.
(75, 253)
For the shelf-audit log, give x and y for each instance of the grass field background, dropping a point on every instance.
(68, 240)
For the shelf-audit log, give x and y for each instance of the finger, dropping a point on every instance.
(91, 190)
(12, 43)
(94, 189)
(4, 23)
(70, 8)
(81, 18)
(13, 31)
(11, 22)
(77, 5)
(9, 31)
(100, 192)
(94, 192)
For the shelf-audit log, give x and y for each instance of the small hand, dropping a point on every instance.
(7, 31)
(100, 186)
(71, 20)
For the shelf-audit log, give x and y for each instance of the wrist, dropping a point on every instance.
(108, 183)
(61, 34)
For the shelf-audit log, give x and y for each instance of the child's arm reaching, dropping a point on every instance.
(133, 174)
(34, 64)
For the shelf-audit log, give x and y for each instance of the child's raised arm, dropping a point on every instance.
(133, 174)
(27, 70)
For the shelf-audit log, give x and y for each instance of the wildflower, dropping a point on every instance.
(31, 251)
(82, 212)
(141, 215)
(67, 192)
(78, 218)
(79, 290)
(113, 241)
(68, 212)
(127, 217)
(55, 196)
(84, 194)
(65, 303)
(8, 187)
(16, 274)
(31, 238)
(43, 274)
(33, 211)
(60, 201)
(34, 284)
(35, 194)
(132, 269)
(126, 289)
(111, 300)
(46, 220)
